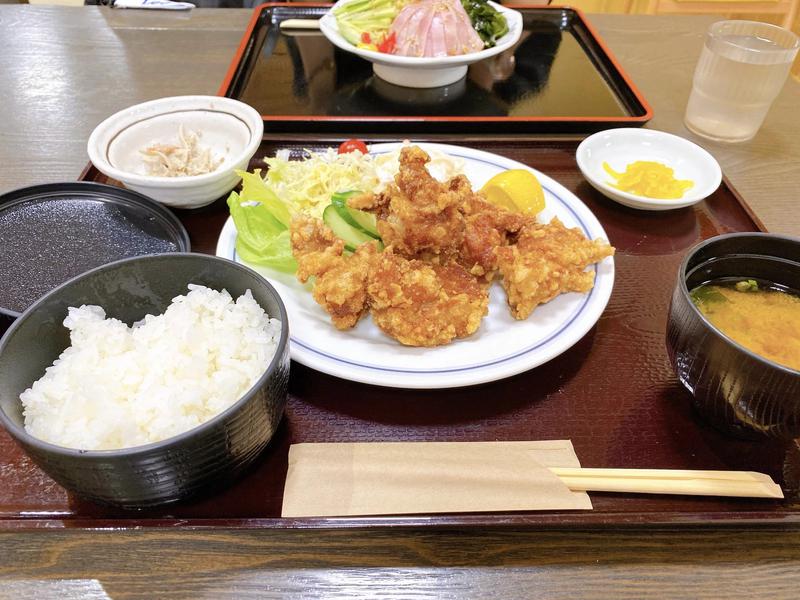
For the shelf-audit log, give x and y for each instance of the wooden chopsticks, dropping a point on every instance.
(300, 24)
(744, 484)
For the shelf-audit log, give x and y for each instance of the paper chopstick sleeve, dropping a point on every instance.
(428, 477)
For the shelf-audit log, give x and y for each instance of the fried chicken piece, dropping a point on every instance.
(418, 214)
(547, 260)
(340, 286)
(421, 304)
(371, 202)
(480, 226)
(311, 236)
(487, 227)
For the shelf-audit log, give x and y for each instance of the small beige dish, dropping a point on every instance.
(229, 130)
(424, 72)
(621, 147)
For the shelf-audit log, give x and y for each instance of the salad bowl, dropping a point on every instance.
(424, 72)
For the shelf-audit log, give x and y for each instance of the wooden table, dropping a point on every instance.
(62, 70)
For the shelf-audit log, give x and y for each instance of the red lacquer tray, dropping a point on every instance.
(559, 78)
(613, 394)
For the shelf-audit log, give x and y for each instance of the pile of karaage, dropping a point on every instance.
(444, 245)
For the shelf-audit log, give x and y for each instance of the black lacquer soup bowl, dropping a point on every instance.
(736, 390)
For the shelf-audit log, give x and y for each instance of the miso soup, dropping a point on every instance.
(762, 317)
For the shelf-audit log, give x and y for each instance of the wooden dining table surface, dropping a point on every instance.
(64, 69)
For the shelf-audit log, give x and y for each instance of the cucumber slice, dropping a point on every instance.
(361, 220)
(342, 229)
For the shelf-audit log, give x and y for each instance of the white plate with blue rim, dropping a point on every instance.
(502, 346)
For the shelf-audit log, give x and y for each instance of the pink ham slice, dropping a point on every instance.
(434, 28)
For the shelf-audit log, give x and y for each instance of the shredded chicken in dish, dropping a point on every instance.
(186, 158)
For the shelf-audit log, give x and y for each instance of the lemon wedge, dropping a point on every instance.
(516, 190)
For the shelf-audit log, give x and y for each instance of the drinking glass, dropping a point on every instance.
(741, 70)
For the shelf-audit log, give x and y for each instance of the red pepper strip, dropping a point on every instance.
(365, 38)
(388, 43)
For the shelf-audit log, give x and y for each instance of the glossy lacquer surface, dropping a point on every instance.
(560, 77)
(613, 394)
(53, 232)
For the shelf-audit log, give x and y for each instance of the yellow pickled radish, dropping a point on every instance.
(516, 190)
(649, 179)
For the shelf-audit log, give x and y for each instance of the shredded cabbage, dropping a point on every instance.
(307, 185)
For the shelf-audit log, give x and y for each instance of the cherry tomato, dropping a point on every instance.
(352, 145)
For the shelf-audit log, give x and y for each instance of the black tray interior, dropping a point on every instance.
(558, 78)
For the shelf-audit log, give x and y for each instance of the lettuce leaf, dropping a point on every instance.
(262, 224)
(254, 189)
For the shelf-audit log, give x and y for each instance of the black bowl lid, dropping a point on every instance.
(53, 232)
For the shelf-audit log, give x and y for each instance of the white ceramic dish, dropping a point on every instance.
(231, 129)
(620, 147)
(501, 347)
(417, 72)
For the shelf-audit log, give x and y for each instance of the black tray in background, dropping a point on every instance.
(560, 79)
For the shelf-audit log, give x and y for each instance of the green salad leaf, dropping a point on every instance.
(490, 23)
(254, 189)
(262, 224)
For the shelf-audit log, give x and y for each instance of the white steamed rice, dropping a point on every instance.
(118, 386)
